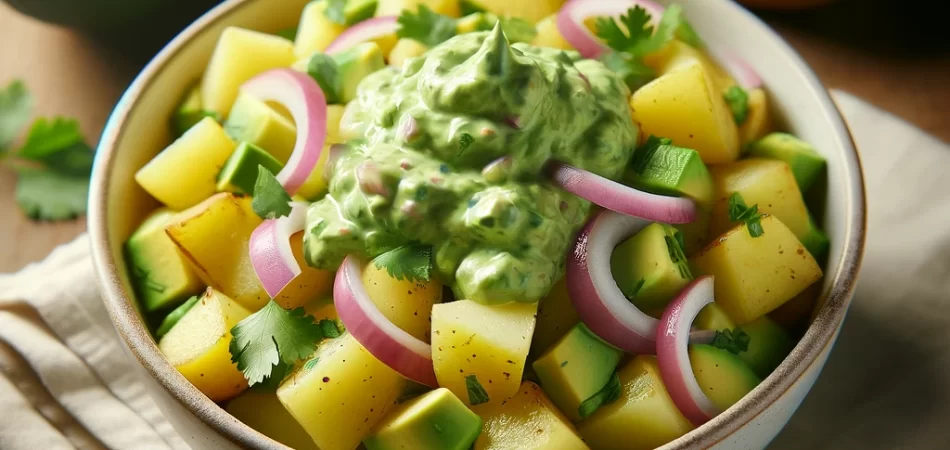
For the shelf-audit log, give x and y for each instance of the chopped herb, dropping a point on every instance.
(48, 195)
(609, 393)
(476, 393)
(425, 26)
(16, 105)
(409, 262)
(329, 329)
(326, 72)
(563, 363)
(680, 239)
(288, 33)
(733, 341)
(632, 293)
(270, 199)
(518, 30)
(173, 317)
(631, 70)
(271, 336)
(469, 7)
(644, 153)
(276, 377)
(311, 363)
(739, 212)
(336, 11)
(465, 140)
(677, 255)
(738, 101)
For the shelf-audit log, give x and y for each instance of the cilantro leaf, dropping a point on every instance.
(326, 72)
(50, 136)
(644, 153)
(425, 26)
(336, 11)
(518, 30)
(636, 21)
(173, 317)
(608, 394)
(476, 393)
(739, 212)
(465, 141)
(329, 329)
(733, 341)
(277, 375)
(270, 199)
(738, 101)
(688, 34)
(16, 105)
(271, 336)
(48, 195)
(631, 70)
(631, 293)
(410, 262)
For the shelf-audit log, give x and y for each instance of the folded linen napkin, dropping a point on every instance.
(66, 383)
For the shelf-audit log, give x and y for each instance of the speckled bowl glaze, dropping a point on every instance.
(136, 132)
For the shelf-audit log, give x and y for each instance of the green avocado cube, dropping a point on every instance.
(815, 240)
(769, 344)
(189, 112)
(575, 368)
(160, 275)
(723, 376)
(437, 420)
(671, 170)
(355, 64)
(239, 173)
(713, 318)
(255, 122)
(806, 163)
(357, 11)
(650, 267)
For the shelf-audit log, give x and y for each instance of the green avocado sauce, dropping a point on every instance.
(499, 233)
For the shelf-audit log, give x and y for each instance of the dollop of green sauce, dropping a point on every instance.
(429, 170)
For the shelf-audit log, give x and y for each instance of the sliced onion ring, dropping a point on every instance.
(673, 355)
(596, 296)
(622, 199)
(271, 256)
(739, 69)
(364, 31)
(570, 21)
(302, 96)
(390, 344)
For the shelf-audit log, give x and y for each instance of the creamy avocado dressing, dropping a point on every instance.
(427, 169)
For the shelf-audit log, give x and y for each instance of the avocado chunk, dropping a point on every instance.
(239, 173)
(815, 240)
(357, 11)
(804, 160)
(769, 344)
(723, 376)
(189, 112)
(650, 267)
(355, 64)
(435, 421)
(470, 7)
(173, 317)
(254, 122)
(665, 169)
(713, 318)
(575, 368)
(159, 273)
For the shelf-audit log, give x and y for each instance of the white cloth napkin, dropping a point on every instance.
(65, 382)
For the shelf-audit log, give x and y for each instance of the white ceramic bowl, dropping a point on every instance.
(136, 132)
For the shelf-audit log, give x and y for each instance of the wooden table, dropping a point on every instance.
(69, 75)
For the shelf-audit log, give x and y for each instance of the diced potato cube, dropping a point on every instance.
(759, 121)
(395, 7)
(549, 35)
(556, 316)
(526, 421)
(686, 106)
(311, 284)
(755, 275)
(678, 54)
(161, 276)
(262, 411)
(340, 394)
(407, 304)
(185, 173)
(198, 346)
(315, 31)
(255, 122)
(489, 342)
(405, 48)
(532, 11)
(240, 55)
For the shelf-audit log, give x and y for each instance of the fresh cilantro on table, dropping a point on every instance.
(733, 341)
(425, 26)
(476, 393)
(270, 337)
(410, 262)
(16, 105)
(270, 199)
(47, 195)
(738, 101)
(739, 212)
(608, 394)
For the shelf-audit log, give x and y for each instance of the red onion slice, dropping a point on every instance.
(302, 96)
(390, 344)
(596, 296)
(570, 21)
(673, 354)
(364, 31)
(622, 199)
(270, 253)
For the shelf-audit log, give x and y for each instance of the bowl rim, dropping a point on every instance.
(138, 340)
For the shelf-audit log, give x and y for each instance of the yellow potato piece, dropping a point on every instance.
(198, 346)
(526, 421)
(759, 121)
(315, 31)
(756, 275)
(550, 36)
(407, 304)
(405, 48)
(240, 55)
(262, 411)
(260, 123)
(186, 172)
(341, 393)
(532, 11)
(490, 342)
(556, 316)
(686, 106)
(644, 417)
(677, 55)
(309, 285)
(213, 236)
(395, 7)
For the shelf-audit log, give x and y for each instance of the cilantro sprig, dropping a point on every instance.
(425, 26)
(54, 163)
(740, 212)
(270, 199)
(608, 394)
(738, 101)
(269, 341)
(409, 262)
(733, 341)
(476, 392)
